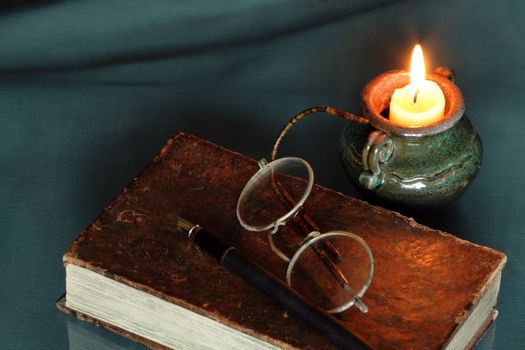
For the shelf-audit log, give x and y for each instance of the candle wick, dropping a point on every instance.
(415, 96)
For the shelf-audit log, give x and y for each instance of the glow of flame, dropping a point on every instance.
(417, 67)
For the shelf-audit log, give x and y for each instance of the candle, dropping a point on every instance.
(419, 103)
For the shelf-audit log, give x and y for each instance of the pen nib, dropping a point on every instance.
(184, 224)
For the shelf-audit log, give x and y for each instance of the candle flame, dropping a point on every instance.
(417, 67)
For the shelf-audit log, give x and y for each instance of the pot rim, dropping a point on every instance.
(376, 96)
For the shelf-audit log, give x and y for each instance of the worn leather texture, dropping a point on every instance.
(424, 286)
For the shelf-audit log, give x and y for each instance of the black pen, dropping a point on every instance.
(230, 258)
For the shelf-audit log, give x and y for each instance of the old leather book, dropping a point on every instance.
(133, 272)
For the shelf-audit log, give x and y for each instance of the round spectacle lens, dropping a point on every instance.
(274, 194)
(332, 271)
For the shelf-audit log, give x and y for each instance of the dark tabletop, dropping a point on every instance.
(90, 91)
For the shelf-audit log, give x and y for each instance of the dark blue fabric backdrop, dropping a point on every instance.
(90, 90)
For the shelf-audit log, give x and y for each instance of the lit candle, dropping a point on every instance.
(419, 103)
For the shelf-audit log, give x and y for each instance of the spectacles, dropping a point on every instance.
(331, 270)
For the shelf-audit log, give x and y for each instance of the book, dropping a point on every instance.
(133, 272)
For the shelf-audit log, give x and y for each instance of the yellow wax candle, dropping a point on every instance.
(419, 103)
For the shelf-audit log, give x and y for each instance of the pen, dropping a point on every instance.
(230, 258)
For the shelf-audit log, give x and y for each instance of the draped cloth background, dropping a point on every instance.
(90, 90)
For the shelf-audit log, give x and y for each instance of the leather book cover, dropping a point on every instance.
(425, 282)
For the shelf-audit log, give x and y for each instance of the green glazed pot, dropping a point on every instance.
(415, 167)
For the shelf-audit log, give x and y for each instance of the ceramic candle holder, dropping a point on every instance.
(415, 167)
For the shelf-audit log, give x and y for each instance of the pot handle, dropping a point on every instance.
(378, 149)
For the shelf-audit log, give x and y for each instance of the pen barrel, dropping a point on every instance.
(280, 292)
